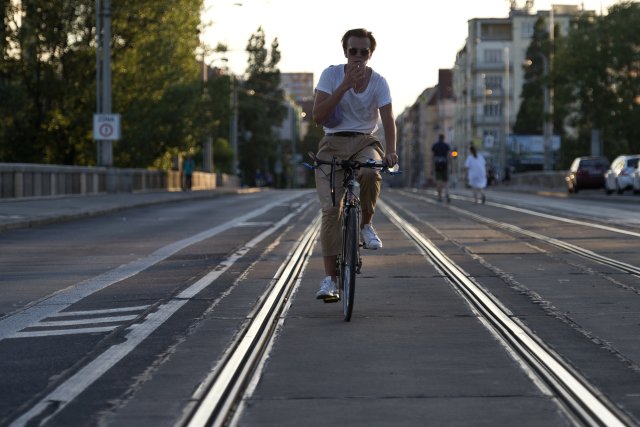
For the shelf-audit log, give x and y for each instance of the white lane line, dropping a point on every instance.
(103, 311)
(510, 331)
(86, 376)
(540, 214)
(64, 298)
(89, 321)
(56, 332)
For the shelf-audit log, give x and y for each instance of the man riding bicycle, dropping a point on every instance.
(349, 98)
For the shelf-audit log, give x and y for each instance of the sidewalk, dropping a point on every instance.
(31, 212)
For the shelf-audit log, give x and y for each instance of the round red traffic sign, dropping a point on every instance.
(105, 130)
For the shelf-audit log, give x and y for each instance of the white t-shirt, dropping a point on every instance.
(356, 112)
(477, 173)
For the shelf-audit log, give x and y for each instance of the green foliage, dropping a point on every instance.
(596, 80)
(48, 87)
(260, 104)
(310, 144)
(529, 120)
(223, 156)
(156, 80)
(48, 82)
(45, 80)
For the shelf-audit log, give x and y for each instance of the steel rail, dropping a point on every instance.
(579, 397)
(224, 389)
(610, 262)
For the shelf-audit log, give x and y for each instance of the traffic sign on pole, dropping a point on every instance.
(106, 127)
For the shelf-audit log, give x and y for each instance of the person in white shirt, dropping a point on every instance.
(349, 98)
(476, 170)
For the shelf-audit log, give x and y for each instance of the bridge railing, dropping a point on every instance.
(37, 180)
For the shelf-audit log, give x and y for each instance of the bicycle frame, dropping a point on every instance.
(349, 262)
(350, 201)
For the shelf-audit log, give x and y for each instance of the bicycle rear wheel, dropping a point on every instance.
(349, 264)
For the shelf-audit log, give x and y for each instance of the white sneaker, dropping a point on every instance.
(328, 290)
(369, 237)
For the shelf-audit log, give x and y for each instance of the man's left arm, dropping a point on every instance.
(389, 125)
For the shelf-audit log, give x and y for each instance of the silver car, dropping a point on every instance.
(636, 182)
(619, 177)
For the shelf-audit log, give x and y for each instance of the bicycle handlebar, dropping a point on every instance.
(349, 164)
(353, 164)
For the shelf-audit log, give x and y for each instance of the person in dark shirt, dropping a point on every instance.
(441, 167)
(187, 169)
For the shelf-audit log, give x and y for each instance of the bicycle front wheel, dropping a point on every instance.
(349, 265)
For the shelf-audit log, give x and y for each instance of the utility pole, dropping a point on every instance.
(103, 75)
(207, 143)
(547, 127)
(233, 131)
(506, 106)
(548, 123)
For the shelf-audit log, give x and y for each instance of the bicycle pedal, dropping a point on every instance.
(329, 300)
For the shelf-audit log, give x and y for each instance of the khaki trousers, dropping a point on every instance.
(361, 148)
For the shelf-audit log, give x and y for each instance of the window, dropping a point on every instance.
(493, 82)
(493, 56)
(493, 109)
(526, 31)
(489, 138)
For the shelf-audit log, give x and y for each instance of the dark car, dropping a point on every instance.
(586, 172)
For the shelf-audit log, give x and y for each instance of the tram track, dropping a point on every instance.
(586, 253)
(139, 326)
(580, 400)
(218, 397)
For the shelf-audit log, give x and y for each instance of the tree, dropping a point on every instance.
(530, 118)
(621, 47)
(597, 85)
(310, 144)
(43, 74)
(156, 80)
(47, 76)
(261, 108)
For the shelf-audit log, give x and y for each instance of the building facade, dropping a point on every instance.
(488, 76)
(418, 128)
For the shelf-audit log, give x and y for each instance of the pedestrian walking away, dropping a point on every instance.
(476, 170)
(187, 168)
(349, 99)
(441, 151)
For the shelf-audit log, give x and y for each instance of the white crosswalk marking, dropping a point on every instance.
(102, 311)
(73, 319)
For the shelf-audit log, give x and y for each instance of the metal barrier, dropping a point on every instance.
(19, 180)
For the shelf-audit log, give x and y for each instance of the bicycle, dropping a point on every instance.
(349, 260)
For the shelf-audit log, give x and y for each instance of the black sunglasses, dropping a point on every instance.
(353, 51)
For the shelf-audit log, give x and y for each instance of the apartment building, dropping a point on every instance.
(418, 128)
(488, 76)
(299, 88)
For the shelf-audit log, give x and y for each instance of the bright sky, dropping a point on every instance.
(415, 37)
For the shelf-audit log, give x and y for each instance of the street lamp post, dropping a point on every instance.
(207, 144)
(233, 131)
(506, 107)
(547, 126)
(103, 74)
(548, 114)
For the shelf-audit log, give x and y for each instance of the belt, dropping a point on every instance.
(349, 134)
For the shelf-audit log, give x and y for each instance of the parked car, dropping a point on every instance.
(636, 181)
(619, 177)
(586, 172)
